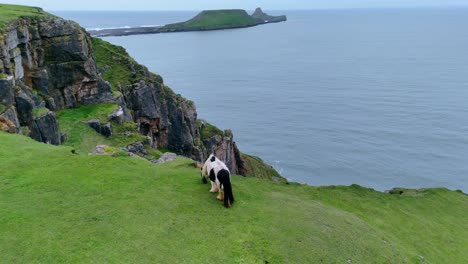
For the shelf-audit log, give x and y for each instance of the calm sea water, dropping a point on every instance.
(373, 97)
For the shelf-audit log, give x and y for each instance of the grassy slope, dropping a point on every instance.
(256, 167)
(84, 139)
(59, 207)
(213, 19)
(116, 59)
(9, 13)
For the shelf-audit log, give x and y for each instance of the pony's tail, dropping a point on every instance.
(228, 196)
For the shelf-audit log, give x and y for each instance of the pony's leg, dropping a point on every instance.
(220, 195)
(214, 188)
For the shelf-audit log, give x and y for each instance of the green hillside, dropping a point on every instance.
(214, 19)
(58, 207)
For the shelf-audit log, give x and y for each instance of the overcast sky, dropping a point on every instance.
(55, 5)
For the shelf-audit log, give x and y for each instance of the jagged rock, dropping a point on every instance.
(166, 157)
(63, 137)
(169, 120)
(24, 105)
(50, 104)
(7, 95)
(137, 148)
(54, 57)
(6, 125)
(119, 116)
(263, 18)
(11, 115)
(45, 129)
(225, 149)
(40, 80)
(103, 129)
(101, 150)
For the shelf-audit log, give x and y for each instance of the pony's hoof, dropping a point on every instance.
(219, 198)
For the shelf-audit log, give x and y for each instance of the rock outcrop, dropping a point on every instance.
(103, 129)
(47, 63)
(45, 129)
(263, 18)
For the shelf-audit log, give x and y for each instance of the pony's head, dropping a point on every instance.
(203, 178)
(205, 168)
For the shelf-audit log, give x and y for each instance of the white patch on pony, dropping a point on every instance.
(216, 166)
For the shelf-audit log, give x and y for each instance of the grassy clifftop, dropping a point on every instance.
(60, 207)
(8, 13)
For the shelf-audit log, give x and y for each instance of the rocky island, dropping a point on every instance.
(205, 20)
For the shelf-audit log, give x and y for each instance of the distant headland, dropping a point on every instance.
(205, 20)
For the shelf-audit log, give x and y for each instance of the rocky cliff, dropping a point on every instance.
(48, 64)
(167, 119)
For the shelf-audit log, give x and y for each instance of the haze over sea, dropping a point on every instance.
(376, 97)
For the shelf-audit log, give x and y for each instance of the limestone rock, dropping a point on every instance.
(101, 150)
(7, 95)
(224, 148)
(137, 148)
(24, 105)
(169, 120)
(45, 129)
(11, 117)
(6, 125)
(103, 129)
(119, 116)
(166, 157)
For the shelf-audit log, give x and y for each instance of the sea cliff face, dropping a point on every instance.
(46, 65)
(49, 64)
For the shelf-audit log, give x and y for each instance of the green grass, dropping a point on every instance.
(2, 108)
(8, 13)
(208, 131)
(255, 167)
(39, 112)
(59, 207)
(120, 68)
(84, 139)
(214, 19)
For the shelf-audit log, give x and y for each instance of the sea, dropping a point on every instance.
(375, 97)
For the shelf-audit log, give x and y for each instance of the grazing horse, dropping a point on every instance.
(220, 178)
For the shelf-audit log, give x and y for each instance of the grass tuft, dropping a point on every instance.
(208, 131)
(40, 112)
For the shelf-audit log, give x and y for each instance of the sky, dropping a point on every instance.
(59, 5)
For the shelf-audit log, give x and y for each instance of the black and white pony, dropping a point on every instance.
(220, 178)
